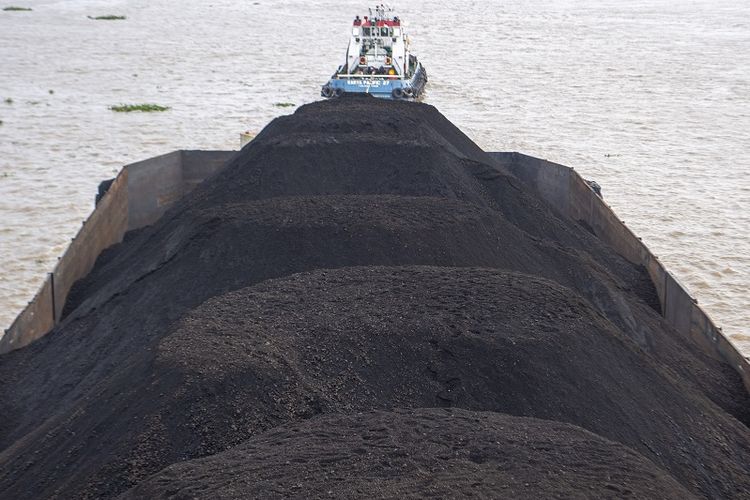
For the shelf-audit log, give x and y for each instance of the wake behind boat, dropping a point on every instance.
(378, 60)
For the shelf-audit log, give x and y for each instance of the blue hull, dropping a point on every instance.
(378, 87)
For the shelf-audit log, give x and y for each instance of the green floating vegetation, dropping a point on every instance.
(108, 18)
(284, 104)
(13, 8)
(8, 100)
(144, 108)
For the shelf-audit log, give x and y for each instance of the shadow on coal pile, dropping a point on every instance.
(361, 255)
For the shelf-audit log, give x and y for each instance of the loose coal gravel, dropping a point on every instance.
(357, 266)
(431, 453)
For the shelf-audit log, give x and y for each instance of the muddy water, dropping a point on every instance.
(650, 98)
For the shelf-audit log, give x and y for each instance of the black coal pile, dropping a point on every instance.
(361, 303)
(434, 453)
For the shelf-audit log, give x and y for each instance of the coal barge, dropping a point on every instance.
(333, 317)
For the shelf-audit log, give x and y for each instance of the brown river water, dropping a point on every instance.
(649, 98)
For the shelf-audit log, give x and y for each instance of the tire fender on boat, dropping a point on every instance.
(339, 92)
(326, 91)
(398, 93)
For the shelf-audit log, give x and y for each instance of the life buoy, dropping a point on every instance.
(339, 92)
(362, 60)
(326, 91)
(387, 61)
(398, 93)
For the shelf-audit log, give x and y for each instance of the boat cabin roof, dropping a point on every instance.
(380, 22)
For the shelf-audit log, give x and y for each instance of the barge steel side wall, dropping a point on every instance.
(143, 191)
(140, 194)
(568, 193)
(104, 227)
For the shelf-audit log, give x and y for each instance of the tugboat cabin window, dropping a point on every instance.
(365, 31)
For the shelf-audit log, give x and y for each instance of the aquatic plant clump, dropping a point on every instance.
(13, 8)
(144, 108)
(108, 18)
(284, 104)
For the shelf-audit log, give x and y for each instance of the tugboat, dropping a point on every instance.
(378, 61)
